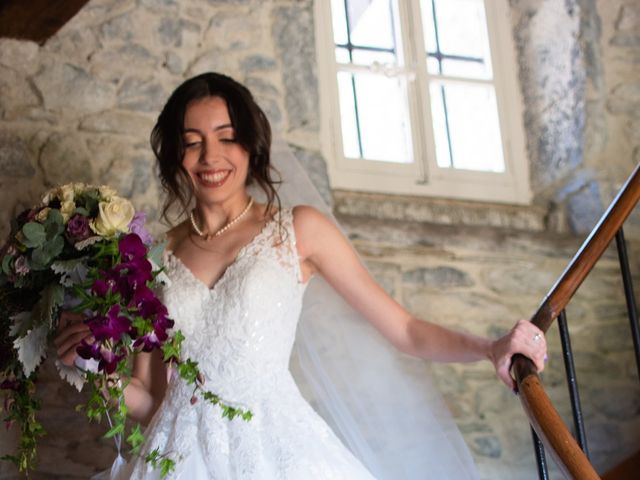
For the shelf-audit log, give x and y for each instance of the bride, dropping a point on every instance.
(238, 269)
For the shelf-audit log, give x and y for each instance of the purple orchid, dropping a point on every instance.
(112, 326)
(89, 350)
(148, 305)
(9, 384)
(137, 226)
(131, 247)
(109, 361)
(149, 341)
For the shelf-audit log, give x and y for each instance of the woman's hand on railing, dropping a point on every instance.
(71, 331)
(524, 338)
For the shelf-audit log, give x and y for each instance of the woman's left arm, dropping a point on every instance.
(323, 248)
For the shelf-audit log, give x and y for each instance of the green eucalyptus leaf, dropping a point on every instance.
(6, 264)
(54, 226)
(54, 247)
(39, 259)
(34, 234)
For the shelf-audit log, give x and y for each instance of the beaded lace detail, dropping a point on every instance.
(241, 332)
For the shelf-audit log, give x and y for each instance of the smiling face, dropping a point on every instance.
(216, 163)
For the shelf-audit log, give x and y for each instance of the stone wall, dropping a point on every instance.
(81, 108)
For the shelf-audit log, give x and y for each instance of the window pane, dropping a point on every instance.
(339, 22)
(457, 34)
(350, 140)
(380, 130)
(371, 23)
(342, 55)
(469, 114)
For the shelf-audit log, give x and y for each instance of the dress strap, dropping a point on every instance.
(284, 242)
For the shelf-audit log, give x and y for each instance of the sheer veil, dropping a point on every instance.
(380, 402)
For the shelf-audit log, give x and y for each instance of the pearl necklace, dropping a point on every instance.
(224, 228)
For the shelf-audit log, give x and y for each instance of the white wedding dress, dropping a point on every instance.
(241, 332)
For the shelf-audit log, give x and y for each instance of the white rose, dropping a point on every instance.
(43, 214)
(107, 192)
(65, 193)
(66, 209)
(79, 187)
(113, 217)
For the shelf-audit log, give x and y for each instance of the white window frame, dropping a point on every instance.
(423, 176)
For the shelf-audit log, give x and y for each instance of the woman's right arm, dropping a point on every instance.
(148, 383)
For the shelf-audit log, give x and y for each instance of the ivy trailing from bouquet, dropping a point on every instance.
(85, 249)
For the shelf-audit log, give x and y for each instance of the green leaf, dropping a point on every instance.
(6, 264)
(81, 211)
(54, 247)
(34, 234)
(188, 370)
(166, 467)
(135, 439)
(116, 429)
(39, 259)
(54, 224)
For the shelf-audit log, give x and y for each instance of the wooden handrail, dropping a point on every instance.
(544, 418)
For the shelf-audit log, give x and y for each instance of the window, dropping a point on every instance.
(421, 97)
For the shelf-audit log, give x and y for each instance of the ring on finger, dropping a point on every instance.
(537, 337)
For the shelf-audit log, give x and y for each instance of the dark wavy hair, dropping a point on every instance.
(252, 132)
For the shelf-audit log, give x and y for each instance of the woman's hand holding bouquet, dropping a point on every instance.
(86, 250)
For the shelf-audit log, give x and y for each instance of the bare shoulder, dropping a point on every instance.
(310, 220)
(313, 230)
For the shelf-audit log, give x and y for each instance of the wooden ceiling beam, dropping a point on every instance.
(36, 20)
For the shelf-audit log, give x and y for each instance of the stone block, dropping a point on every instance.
(142, 94)
(65, 87)
(438, 277)
(257, 62)
(584, 209)
(487, 446)
(170, 30)
(113, 63)
(65, 158)
(617, 402)
(18, 94)
(293, 35)
(173, 63)
(117, 122)
(15, 158)
(214, 60)
(314, 164)
(553, 82)
(75, 44)
(521, 279)
(237, 30)
(625, 99)
(19, 55)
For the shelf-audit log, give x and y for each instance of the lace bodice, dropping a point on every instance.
(241, 332)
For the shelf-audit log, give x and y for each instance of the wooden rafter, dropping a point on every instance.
(36, 20)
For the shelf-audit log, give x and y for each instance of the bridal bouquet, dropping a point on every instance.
(85, 249)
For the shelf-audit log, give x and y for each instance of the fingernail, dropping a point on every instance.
(546, 357)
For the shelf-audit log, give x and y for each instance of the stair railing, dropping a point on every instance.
(549, 430)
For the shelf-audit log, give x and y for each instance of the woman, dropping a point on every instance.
(238, 271)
